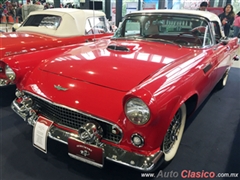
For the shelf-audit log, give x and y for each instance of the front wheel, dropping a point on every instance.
(174, 134)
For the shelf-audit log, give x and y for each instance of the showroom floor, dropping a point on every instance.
(211, 143)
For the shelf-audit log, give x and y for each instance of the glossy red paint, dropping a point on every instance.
(91, 63)
(25, 63)
(98, 79)
(27, 42)
(25, 51)
(176, 78)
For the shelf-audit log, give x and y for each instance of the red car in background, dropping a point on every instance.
(43, 31)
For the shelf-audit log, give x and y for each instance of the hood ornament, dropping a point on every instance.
(60, 88)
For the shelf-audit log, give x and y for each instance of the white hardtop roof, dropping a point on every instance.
(73, 12)
(72, 24)
(206, 14)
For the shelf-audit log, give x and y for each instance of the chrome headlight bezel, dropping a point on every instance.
(10, 74)
(137, 111)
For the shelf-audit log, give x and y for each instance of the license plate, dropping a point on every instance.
(87, 153)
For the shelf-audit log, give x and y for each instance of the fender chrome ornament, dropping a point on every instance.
(60, 88)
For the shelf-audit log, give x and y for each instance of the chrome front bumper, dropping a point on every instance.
(112, 153)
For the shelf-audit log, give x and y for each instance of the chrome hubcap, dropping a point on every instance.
(172, 132)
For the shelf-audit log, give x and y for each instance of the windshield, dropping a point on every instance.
(184, 30)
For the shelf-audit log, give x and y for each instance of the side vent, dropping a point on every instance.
(118, 48)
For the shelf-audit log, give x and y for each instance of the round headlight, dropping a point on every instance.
(10, 73)
(137, 111)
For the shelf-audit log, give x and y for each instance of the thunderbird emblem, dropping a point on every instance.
(60, 88)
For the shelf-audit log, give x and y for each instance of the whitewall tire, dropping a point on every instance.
(174, 134)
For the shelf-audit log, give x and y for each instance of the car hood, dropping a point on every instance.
(19, 43)
(119, 65)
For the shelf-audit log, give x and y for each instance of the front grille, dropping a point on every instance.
(71, 118)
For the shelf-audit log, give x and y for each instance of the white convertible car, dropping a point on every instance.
(43, 31)
(64, 22)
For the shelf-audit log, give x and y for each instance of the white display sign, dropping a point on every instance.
(40, 133)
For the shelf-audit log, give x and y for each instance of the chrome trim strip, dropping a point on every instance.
(128, 165)
(137, 161)
(85, 160)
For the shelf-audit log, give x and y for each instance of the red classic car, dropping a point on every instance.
(126, 99)
(41, 32)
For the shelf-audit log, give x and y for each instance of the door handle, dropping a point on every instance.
(228, 48)
(207, 68)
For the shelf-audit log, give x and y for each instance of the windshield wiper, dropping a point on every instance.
(147, 39)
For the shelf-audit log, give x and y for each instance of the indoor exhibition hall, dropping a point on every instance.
(119, 89)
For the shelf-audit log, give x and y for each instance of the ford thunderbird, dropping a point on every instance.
(126, 99)
(43, 31)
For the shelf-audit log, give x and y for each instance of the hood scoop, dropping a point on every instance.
(118, 48)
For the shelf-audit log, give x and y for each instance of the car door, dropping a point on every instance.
(212, 55)
(221, 59)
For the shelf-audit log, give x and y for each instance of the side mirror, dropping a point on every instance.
(15, 26)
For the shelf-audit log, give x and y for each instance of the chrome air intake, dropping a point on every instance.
(118, 48)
